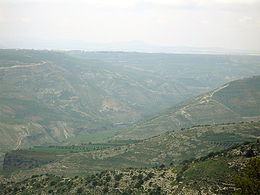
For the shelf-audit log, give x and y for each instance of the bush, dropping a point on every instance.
(116, 185)
(108, 178)
(150, 174)
(118, 177)
(79, 190)
(94, 183)
(140, 176)
(138, 185)
(105, 189)
(53, 183)
(162, 166)
(249, 182)
(250, 153)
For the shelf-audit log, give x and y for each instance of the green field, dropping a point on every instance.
(87, 147)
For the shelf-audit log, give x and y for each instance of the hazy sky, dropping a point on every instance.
(198, 23)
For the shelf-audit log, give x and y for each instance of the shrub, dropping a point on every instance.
(139, 183)
(53, 183)
(140, 176)
(118, 177)
(116, 185)
(108, 178)
(79, 190)
(94, 183)
(150, 175)
(162, 166)
(249, 182)
(105, 189)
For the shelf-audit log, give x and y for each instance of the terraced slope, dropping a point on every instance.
(233, 102)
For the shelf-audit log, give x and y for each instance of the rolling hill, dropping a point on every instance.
(49, 96)
(233, 102)
(211, 174)
(193, 70)
(169, 148)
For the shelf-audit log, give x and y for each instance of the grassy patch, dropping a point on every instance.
(83, 147)
(93, 137)
(216, 168)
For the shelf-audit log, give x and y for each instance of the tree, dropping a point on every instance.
(249, 182)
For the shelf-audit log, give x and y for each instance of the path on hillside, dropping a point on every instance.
(205, 99)
(24, 134)
(23, 66)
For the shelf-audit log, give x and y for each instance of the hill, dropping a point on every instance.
(193, 70)
(169, 148)
(233, 102)
(49, 96)
(211, 174)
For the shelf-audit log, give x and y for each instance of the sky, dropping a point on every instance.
(233, 24)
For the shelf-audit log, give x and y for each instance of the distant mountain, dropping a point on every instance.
(127, 46)
(2, 46)
(193, 70)
(236, 101)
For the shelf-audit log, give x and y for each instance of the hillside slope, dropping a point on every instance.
(211, 174)
(48, 96)
(236, 101)
(191, 70)
(169, 148)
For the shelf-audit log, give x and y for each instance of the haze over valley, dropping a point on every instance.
(129, 97)
(50, 96)
(98, 108)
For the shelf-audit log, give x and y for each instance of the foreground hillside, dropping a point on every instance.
(235, 101)
(211, 174)
(169, 148)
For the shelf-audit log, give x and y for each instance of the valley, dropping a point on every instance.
(95, 120)
(133, 97)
